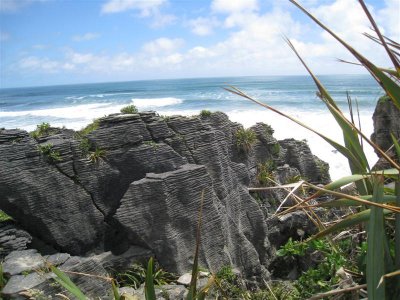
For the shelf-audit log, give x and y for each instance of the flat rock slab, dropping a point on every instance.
(21, 283)
(18, 262)
(57, 259)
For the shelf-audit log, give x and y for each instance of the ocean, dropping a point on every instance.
(74, 106)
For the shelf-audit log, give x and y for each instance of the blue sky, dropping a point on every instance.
(46, 42)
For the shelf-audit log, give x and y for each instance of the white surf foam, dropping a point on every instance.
(321, 121)
(155, 102)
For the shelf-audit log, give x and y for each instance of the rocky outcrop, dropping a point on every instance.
(386, 121)
(137, 180)
(31, 276)
(12, 238)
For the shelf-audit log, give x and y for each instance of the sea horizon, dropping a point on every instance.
(180, 78)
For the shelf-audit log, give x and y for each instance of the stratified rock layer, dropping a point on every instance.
(143, 187)
(386, 121)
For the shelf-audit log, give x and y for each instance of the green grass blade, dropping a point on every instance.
(387, 84)
(393, 58)
(350, 135)
(116, 294)
(396, 145)
(376, 245)
(66, 282)
(397, 226)
(342, 202)
(149, 289)
(351, 220)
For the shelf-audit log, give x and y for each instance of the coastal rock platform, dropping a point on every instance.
(137, 181)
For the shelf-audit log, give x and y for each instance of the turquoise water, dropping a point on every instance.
(74, 106)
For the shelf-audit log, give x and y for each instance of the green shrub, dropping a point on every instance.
(245, 138)
(205, 113)
(135, 276)
(276, 148)
(96, 155)
(89, 128)
(265, 174)
(130, 109)
(228, 284)
(48, 151)
(323, 277)
(85, 146)
(41, 130)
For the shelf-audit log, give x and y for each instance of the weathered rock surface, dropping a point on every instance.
(386, 120)
(29, 272)
(144, 188)
(12, 238)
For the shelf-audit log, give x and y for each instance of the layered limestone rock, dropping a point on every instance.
(386, 121)
(139, 179)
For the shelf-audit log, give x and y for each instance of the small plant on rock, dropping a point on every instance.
(205, 113)
(41, 130)
(4, 217)
(48, 151)
(85, 146)
(89, 128)
(130, 109)
(135, 276)
(96, 155)
(245, 138)
(265, 174)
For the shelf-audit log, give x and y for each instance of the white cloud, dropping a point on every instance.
(234, 6)
(145, 7)
(390, 18)
(40, 64)
(161, 20)
(162, 45)
(11, 6)
(203, 26)
(85, 37)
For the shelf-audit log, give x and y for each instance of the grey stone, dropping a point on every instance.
(18, 262)
(12, 238)
(171, 292)
(57, 259)
(386, 119)
(21, 283)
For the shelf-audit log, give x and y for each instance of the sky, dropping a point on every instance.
(49, 42)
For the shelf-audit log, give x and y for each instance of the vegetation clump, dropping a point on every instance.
(41, 130)
(4, 217)
(85, 146)
(130, 109)
(245, 138)
(96, 155)
(135, 276)
(265, 174)
(89, 128)
(48, 151)
(205, 113)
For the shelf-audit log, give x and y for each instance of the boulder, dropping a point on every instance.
(386, 119)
